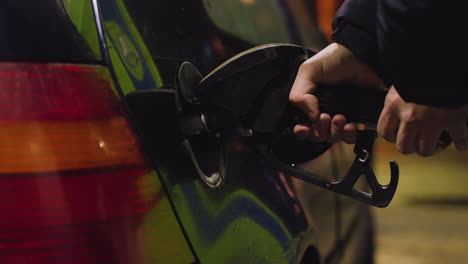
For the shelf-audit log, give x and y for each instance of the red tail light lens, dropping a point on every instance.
(74, 186)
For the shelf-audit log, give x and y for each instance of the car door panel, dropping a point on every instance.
(257, 214)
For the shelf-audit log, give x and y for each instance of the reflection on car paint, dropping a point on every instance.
(164, 242)
(127, 52)
(240, 218)
(224, 231)
(130, 57)
(246, 17)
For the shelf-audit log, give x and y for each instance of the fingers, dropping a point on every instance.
(340, 130)
(333, 65)
(459, 131)
(308, 103)
(427, 142)
(318, 131)
(389, 121)
(412, 137)
(418, 128)
(326, 128)
(387, 126)
(321, 128)
(349, 133)
(459, 136)
(336, 130)
(406, 138)
(302, 89)
(302, 131)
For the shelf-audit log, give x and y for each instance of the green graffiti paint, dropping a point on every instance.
(245, 241)
(121, 73)
(242, 240)
(135, 35)
(129, 54)
(163, 241)
(82, 15)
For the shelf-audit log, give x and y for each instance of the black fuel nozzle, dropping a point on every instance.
(248, 96)
(250, 92)
(358, 105)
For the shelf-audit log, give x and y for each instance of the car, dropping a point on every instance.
(88, 177)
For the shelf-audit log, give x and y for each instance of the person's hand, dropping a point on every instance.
(417, 128)
(333, 65)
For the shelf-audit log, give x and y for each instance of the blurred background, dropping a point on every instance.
(427, 222)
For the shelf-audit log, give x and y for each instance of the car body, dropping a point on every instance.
(93, 187)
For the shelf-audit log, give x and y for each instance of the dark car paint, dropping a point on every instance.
(41, 31)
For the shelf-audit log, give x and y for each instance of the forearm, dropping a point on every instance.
(355, 28)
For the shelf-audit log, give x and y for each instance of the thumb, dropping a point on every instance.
(301, 93)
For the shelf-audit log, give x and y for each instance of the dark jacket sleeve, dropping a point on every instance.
(354, 27)
(418, 46)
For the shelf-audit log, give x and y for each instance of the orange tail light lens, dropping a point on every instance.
(74, 186)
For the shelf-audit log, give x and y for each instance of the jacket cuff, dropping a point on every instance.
(360, 42)
(437, 93)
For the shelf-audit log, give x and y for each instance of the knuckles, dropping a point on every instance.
(296, 98)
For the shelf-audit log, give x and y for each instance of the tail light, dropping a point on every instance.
(74, 186)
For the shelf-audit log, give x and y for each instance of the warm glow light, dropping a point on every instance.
(247, 2)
